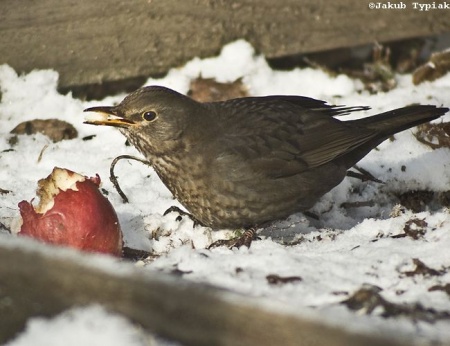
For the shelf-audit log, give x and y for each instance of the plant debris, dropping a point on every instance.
(445, 288)
(88, 138)
(422, 269)
(55, 129)
(423, 200)
(436, 67)
(208, 90)
(434, 135)
(275, 279)
(4, 191)
(368, 298)
(378, 75)
(4, 227)
(416, 200)
(414, 228)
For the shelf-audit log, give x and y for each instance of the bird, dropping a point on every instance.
(246, 162)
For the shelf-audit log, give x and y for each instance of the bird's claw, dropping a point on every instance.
(363, 175)
(245, 239)
(175, 209)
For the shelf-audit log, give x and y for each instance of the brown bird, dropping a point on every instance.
(248, 161)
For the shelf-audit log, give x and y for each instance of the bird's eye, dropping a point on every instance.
(149, 115)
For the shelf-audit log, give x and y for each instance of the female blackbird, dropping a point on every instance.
(247, 161)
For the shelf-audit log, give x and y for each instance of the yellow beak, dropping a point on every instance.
(108, 117)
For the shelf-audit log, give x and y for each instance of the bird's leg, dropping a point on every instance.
(245, 239)
(363, 175)
(113, 178)
(175, 209)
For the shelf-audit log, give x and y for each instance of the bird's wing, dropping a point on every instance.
(312, 104)
(279, 139)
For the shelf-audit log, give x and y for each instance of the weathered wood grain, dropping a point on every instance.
(108, 40)
(44, 282)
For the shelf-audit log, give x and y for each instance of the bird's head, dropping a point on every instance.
(153, 118)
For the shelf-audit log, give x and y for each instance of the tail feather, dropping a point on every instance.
(401, 119)
(389, 123)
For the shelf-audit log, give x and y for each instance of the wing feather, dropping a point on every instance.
(279, 138)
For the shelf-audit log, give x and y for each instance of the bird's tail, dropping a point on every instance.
(401, 119)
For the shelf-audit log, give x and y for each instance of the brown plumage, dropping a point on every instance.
(247, 161)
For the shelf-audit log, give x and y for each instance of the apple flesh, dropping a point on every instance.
(72, 212)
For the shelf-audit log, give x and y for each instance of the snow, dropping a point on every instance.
(334, 256)
(90, 325)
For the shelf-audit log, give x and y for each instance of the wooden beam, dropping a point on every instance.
(43, 281)
(90, 42)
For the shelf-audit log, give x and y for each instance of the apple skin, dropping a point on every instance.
(78, 216)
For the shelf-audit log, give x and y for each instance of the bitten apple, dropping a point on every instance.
(73, 212)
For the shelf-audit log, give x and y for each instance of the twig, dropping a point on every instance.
(113, 178)
(42, 153)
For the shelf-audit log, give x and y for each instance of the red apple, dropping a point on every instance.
(73, 212)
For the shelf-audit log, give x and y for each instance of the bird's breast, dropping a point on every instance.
(187, 180)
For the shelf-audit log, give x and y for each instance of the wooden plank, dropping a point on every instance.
(43, 281)
(108, 40)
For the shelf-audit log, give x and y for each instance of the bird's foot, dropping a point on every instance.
(245, 239)
(181, 213)
(363, 175)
